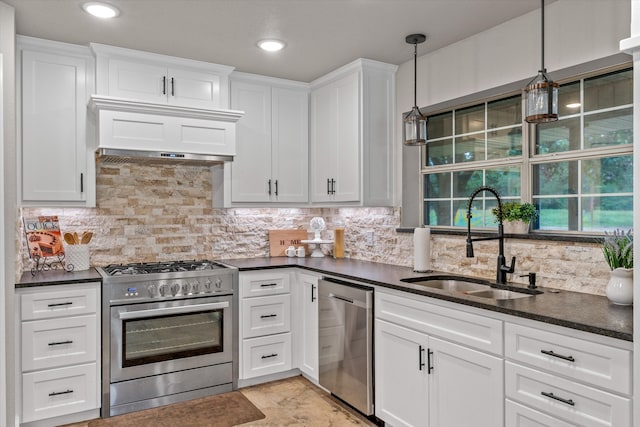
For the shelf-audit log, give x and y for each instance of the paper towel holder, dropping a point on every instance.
(422, 261)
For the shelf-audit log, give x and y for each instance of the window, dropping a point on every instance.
(577, 171)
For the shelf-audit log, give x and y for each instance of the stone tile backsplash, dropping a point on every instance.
(164, 212)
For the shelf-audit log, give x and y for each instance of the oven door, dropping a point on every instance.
(157, 338)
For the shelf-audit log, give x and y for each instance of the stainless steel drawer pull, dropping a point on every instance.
(267, 285)
(559, 399)
(58, 304)
(266, 316)
(61, 342)
(268, 356)
(58, 393)
(559, 356)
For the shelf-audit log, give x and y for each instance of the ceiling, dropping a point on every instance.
(321, 35)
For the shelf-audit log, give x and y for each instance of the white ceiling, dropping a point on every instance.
(321, 35)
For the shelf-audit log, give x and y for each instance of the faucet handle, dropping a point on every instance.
(512, 267)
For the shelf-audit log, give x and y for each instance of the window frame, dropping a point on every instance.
(528, 159)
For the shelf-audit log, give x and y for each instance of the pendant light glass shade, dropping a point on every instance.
(414, 124)
(542, 99)
(541, 92)
(415, 128)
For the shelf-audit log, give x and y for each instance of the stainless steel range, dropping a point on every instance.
(168, 333)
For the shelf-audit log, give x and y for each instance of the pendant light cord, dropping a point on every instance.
(415, 74)
(542, 38)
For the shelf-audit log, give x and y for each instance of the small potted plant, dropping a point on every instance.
(516, 217)
(617, 248)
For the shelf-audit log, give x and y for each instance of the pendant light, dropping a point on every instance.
(414, 130)
(541, 92)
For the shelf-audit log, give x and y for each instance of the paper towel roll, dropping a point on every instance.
(421, 249)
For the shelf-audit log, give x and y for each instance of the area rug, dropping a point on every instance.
(222, 410)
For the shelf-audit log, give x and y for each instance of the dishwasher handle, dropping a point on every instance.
(357, 303)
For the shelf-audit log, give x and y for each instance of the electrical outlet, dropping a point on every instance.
(369, 237)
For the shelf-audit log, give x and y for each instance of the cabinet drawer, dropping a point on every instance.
(59, 342)
(266, 315)
(517, 415)
(464, 328)
(61, 391)
(595, 363)
(71, 301)
(264, 283)
(568, 400)
(266, 355)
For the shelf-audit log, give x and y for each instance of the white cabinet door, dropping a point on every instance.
(141, 81)
(335, 141)
(251, 167)
(307, 304)
(193, 89)
(465, 386)
(290, 145)
(402, 393)
(54, 99)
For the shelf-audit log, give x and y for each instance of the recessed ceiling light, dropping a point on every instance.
(270, 45)
(574, 105)
(101, 10)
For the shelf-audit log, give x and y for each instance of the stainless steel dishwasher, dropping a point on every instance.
(345, 342)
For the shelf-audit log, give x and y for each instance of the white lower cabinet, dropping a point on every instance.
(305, 295)
(427, 380)
(60, 353)
(573, 379)
(265, 323)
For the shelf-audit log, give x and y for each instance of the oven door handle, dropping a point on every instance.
(183, 309)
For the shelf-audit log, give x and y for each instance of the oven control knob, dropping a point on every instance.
(195, 287)
(186, 289)
(153, 290)
(162, 290)
(207, 285)
(175, 288)
(218, 283)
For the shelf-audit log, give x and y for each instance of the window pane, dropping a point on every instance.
(610, 90)
(608, 175)
(607, 213)
(505, 180)
(557, 213)
(438, 213)
(460, 213)
(610, 128)
(504, 112)
(555, 178)
(470, 148)
(464, 182)
(440, 125)
(470, 119)
(504, 143)
(555, 137)
(437, 185)
(439, 152)
(569, 99)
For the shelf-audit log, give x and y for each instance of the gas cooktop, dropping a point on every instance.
(160, 267)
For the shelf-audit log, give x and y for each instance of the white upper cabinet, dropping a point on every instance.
(55, 81)
(271, 164)
(352, 134)
(149, 77)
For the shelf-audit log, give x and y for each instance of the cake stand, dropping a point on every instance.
(317, 225)
(314, 246)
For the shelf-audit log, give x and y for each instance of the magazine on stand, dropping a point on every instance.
(44, 238)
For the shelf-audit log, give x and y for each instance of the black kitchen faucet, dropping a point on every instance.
(503, 269)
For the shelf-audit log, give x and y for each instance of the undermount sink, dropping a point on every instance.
(466, 287)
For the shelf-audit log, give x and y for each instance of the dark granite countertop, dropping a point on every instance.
(585, 312)
(58, 277)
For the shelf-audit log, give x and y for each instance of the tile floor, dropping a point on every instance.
(297, 402)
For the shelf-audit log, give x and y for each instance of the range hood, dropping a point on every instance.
(130, 130)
